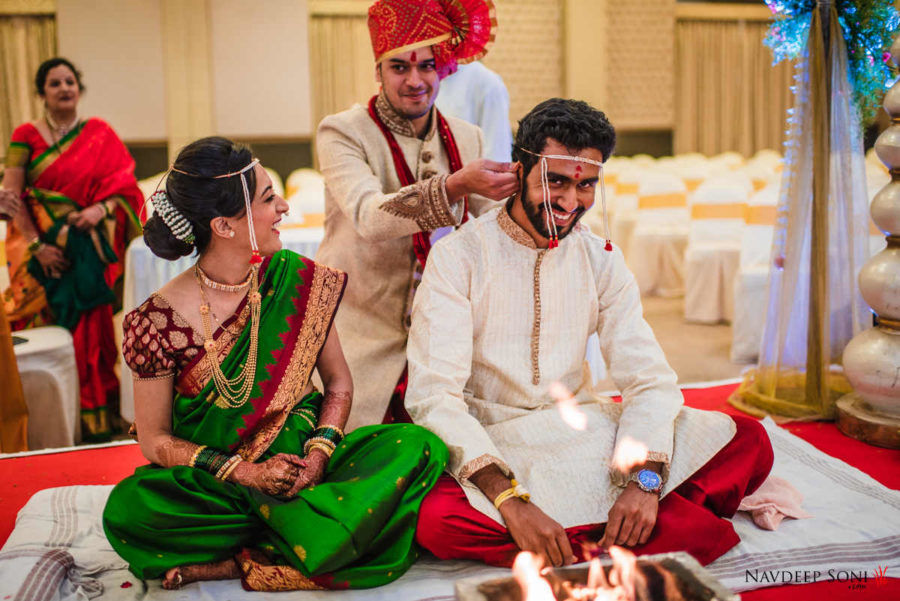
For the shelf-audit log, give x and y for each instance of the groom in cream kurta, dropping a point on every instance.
(498, 317)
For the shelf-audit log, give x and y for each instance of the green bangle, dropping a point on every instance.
(329, 433)
(34, 245)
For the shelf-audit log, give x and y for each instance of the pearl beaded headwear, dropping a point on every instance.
(179, 225)
(545, 187)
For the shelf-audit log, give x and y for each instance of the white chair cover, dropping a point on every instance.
(713, 251)
(655, 251)
(623, 204)
(50, 383)
(306, 198)
(750, 282)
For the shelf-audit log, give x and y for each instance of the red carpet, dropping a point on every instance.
(24, 476)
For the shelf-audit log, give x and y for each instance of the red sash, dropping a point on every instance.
(421, 240)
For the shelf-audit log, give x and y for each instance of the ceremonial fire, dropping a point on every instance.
(666, 578)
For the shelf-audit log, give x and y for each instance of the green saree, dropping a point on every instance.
(355, 529)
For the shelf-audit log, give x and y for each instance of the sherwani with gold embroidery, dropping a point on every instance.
(496, 321)
(369, 223)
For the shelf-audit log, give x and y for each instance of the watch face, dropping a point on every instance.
(648, 479)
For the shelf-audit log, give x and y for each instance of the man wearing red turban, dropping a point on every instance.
(397, 176)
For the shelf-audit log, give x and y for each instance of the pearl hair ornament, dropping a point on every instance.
(177, 223)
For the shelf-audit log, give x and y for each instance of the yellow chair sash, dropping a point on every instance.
(734, 210)
(760, 214)
(692, 183)
(662, 201)
(623, 188)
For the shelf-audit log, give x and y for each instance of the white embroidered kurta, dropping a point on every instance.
(496, 321)
(369, 224)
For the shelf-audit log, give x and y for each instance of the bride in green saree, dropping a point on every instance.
(251, 476)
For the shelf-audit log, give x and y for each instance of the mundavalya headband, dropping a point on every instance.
(545, 187)
(179, 225)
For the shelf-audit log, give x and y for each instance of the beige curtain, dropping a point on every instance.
(25, 42)
(341, 63)
(728, 95)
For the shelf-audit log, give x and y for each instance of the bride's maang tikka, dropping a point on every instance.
(545, 188)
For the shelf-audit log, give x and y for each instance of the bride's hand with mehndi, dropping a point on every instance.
(274, 476)
(311, 474)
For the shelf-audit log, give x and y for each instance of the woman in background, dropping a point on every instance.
(66, 246)
(252, 476)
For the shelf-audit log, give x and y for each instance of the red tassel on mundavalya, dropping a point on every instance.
(608, 246)
(255, 258)
(554, 243)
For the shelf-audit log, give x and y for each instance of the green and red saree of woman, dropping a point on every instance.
(88, 165)
(355, 529)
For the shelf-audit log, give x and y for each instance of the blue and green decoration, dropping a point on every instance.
(869, 27)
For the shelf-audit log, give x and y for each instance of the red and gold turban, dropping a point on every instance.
(459, 31)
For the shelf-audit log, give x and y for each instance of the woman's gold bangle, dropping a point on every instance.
(197, 451)
(318, 445)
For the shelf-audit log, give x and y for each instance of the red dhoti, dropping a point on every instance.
(690, 518)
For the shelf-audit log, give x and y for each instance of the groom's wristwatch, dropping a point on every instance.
(647, 480)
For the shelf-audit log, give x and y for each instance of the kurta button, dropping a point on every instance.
(427, 156)
(428, 174)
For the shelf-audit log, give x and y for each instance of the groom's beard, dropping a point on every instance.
(537, 215)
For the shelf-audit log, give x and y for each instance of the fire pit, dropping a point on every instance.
(671, 576)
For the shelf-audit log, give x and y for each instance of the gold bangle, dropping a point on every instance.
(320, 441)
(228, 466)
(318, 445)
(193, 461)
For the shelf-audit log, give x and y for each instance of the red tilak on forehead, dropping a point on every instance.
(577, 171)
(412, 57)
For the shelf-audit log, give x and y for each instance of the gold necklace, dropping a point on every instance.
(233, 392)
(211, 283)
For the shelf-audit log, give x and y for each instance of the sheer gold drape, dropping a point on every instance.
(728, 94)
(25, 42)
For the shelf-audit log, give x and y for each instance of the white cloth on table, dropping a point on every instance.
(497, 321)
(145, 273)
(50, 383)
